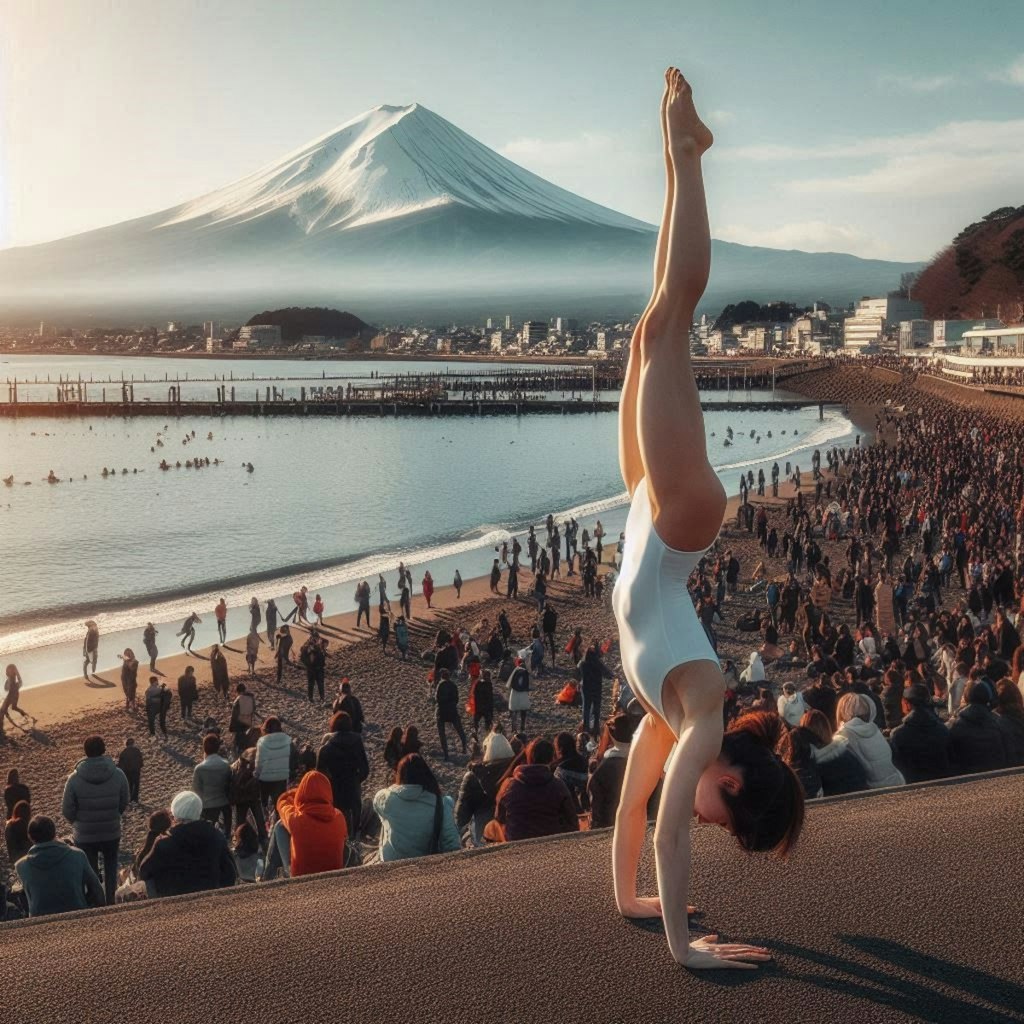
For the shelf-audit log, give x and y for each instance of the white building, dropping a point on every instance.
(260, 336)
(1006, 341)
(211, 329)
(874, 317)
(508, 323)
(949, 334)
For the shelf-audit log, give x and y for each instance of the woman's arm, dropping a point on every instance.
(700, 743)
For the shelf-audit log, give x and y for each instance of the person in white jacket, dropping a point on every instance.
(791, 705)
(856, 725)
(754, 672)
(273, 764)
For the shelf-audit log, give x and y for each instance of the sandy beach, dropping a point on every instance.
(392, 692)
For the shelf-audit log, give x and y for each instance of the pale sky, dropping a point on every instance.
(877, 127)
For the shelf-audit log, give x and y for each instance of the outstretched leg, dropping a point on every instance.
(687, 500)
(630, 461)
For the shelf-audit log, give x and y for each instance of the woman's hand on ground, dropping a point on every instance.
(647, 906)
(708, 954)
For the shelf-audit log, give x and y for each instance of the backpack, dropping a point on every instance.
(520, 681)
(243, 787)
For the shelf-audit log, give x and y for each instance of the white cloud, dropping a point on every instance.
(1014, 73)
(952, 158)
(808, 235)
(721, 117)
(918, 83)
(556, 153)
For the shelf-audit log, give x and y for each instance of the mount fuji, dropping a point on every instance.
(396, 209)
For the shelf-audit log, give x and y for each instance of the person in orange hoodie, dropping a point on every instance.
(310, 834)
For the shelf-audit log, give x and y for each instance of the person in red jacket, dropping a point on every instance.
(311, 833)
(532, 802)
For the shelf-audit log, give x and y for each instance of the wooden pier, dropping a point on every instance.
(392, 406)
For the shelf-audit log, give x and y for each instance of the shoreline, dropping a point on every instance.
(66, 698)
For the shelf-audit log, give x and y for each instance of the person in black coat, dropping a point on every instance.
(592, 670)
(976, 742)
(446, 696)
(821, 696)
(192, 857)
(342, 758)
(1010, 716)
(920, 745)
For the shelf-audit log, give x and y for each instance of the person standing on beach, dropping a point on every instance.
(457, 583)
(252, 652)
(96, 794)
(402, 637)
(428, 587)
(149, 642)
(188, 631)
(157, 701)
(512, 588)
(271, 622)
(775, 479)
(446, 696)
(188, 692)
(405, 600)
(540, 592)
(243, 714)
(129, 677)
(519, 695)
(221, 615)
(314, 656)
(549, 623)
(384, 629)
(532, 548)
(362, 598)
(219, 672)
(318, 609)
(12, 691)
(255, 615)
(382, 594)
(130, 761)
(90, 647)
(495, 576)
(284, 651)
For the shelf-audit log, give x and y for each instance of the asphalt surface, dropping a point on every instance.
(905, 906)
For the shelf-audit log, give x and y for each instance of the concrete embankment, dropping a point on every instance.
(903, 905)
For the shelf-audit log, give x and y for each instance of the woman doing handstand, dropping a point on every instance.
(734, 780)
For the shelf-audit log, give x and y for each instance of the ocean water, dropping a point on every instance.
(328, 503)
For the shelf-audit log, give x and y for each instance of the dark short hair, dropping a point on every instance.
(540, 751)
(41, 829)
(95, 747)
(341, 721)
(211, 743)
(271, 724)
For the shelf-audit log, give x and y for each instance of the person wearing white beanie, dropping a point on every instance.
(187, 806)
(192, 857)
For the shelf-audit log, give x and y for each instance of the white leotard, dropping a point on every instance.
(658, 624)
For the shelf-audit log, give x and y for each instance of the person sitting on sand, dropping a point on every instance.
(310, 834)
(531, 802)
(416, 818)
(55, 876)
(192, 857)
(475, 804)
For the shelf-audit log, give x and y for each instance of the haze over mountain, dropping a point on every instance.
(396, 211)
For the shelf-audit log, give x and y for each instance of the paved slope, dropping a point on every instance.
(897, 907)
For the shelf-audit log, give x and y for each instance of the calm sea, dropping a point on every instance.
(329, 502)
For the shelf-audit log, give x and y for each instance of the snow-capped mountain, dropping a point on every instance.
(397, 202)
(388, 163)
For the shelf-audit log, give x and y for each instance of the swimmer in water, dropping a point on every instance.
(734, 780)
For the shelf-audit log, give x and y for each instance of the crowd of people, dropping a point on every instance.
(886, 603)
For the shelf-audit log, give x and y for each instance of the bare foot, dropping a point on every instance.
(687, 133)
(648, 906)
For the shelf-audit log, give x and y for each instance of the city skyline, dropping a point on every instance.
(904, 137)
